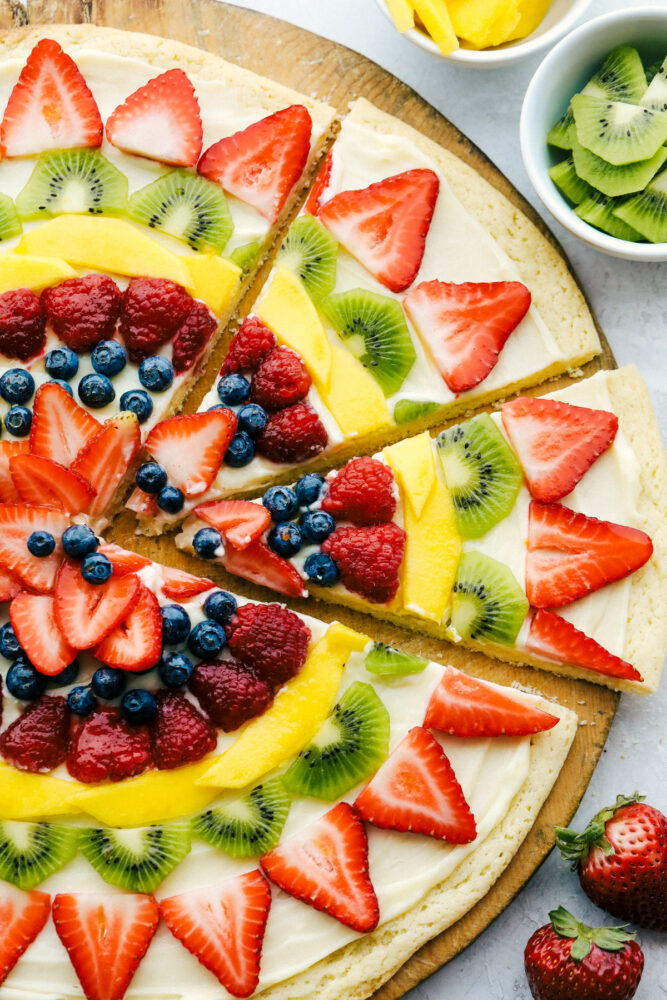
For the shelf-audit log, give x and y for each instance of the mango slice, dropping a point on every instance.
(19, 270)
(483, 23)
(354, 397)
(531, 15)
(414, 467)
(215, 280)
(435, 17)
(30, 796)
(402, 13)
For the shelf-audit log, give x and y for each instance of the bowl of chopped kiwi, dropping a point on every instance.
(594, 133)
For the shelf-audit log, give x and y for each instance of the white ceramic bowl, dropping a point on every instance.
(567, 69)
(560, 17)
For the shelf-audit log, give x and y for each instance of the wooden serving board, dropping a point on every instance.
(335, 74)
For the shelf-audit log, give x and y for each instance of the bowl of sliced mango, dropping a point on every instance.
(483, 33)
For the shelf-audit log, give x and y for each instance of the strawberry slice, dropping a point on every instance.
(556, 443)
(178, 585)
(106, 457)
(17, 522)
(106, 936)
(191, 447)
(60, 427)
(142, 503)
(570, 555)
(160, 121)
(557, 639)
(468, 707)
(10, 586)
(50, 107)
(86, 612)
(260, 564)
(43, 481)
(137, 642)
(261, 164)
(325, 865)
(386, 224)
(34, 622)
(223, 926)
(416, 791)
(8, 450)
(240, 522)
(465, 326)
(314, 202)
(123, 560)
(22, 917)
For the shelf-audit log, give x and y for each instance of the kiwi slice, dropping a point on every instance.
(560, 134)
(246, 826)
(245, 255)
(407, 410)
(600, 211)
(311, 252)
(565, 177)
(656, 93)
(647, 212)
(487, 603)
(30, 852)
(136, 859)
(185, 206)
(611, 180)
(349, 747)
(482, 473)
(73, 180)
(387, 661)
(376, 332)
(617, 131)
(10, 224)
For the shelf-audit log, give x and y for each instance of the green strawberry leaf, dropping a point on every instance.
(583, 936)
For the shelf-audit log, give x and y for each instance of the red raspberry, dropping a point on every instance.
(270, 639)
(281, 380)
(362, 492)
(152, 311)
(39, 739)
(106, 748)
(22, 324)
(194, 334)
(180, 734)
(293, 435)
(83, 311)
(230, 692)
(368, 559)
(249, 346)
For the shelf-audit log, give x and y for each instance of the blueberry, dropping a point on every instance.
(66, 676)
(309, 488)
(252, 419)
(206, 542)
(174, 669)
(139, 402)
(18, 420)
(216, 406)
(63, 385)
(23, 681)
(170, 500)
(175, 624)
(79, 541)
(316, 525)
(233, 389)
(220, 606)
(285, 539)
(41, 544)
(156, 373)
(206, 639)
(151, 477)
(281, 503)
(108, 357)
(138, 706)
(10, 647)
(321, 569)
(108, 683)
(241, 450)
(96, 568)
(62, 363)
(81, 700)
(96, 391)
(17, 385)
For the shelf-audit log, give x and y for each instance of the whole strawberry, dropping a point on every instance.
(622, 860)
(566, 960)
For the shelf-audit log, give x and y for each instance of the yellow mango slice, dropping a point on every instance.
(30, 796)
(19, 270)
(354, 397)
(288, 310)
(483, 23)
(531, 15)
(414, 467)
(434, 15)
(402, 13)
(297, 713)
(214, 279)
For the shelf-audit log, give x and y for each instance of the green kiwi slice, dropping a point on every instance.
(407, 410)
(349, 747)
(10, 224)
(656, 93)
(311, 252)
(185, 206)
(600, 211)
(73, 180)
(482, 473)
(647, 212)
(387, 661)
(617, 131)
(246, 826)
(136, 859)
(245, 255)
(566, 178)
(615, 181)
(375, 330)
(487, 603)
(30, 852)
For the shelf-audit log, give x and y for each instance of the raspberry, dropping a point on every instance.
(362, 492)
(106, 748)
(281, 380)
(368, 559)
(192, 337)
(270, 639)
(230, 692)
(83, 311)
(152, 311)
(250, 345)
(292, 435)
(180, 734)
(22, 324)
(39, 739)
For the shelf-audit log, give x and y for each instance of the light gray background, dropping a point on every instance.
(630, 300)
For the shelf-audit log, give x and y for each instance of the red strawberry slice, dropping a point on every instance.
(325, 865)
(260, 564)
(137, 642)
(191, 447)
(10, 586)
(60, 427)
(86, 612)
(43, 481)
(386, 224)
(122, 560)
(570, 555)
(240, 522)
(17, 522)
(22, 917)
(223, 926)
(261, 164)
(557, 639)
(105, 458)
(466, 326)
(416, 791)
(179, 586)
(106, 936)
(142, 503)
(160, 121)
(556, 442)
(314, 202)
(50, 107)
(468, 707)
(8, 450)
(34, 622)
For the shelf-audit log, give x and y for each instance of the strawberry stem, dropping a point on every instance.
(576, 847)
(584, 937)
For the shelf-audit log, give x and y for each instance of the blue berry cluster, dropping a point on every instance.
(17, 387)
(233, 392)
(151, 477)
